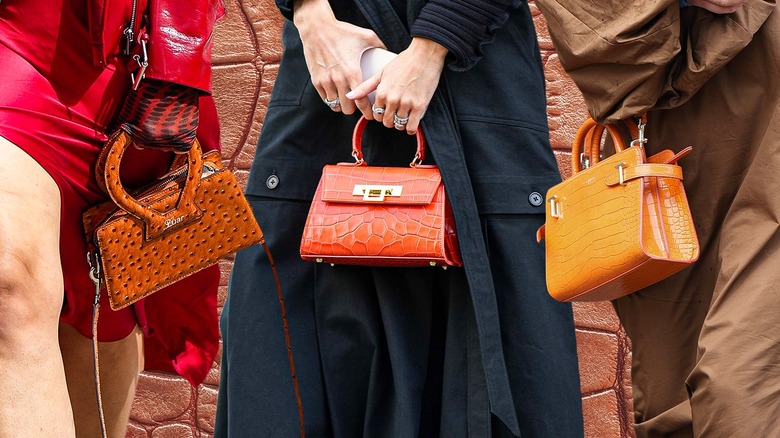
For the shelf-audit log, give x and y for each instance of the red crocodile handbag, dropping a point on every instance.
(381, 216)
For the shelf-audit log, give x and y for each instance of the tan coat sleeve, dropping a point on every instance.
(631, 56)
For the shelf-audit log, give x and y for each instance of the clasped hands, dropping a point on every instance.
(403, 88)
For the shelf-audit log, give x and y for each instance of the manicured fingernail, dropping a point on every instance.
(350, 95)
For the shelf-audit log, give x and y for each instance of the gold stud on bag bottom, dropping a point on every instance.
(620, 225)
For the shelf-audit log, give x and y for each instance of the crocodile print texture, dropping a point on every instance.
(406, 230)
(135, 265)
(611, 240)
(247, 49)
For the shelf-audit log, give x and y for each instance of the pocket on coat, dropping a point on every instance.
(511, 164)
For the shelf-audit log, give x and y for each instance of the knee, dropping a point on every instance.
(31, 294)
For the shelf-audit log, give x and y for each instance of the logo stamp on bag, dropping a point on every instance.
(173, 221)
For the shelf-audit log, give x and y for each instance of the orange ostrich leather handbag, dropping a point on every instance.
(183, 222)
(186, 221)
(620, 224)
(381, 216)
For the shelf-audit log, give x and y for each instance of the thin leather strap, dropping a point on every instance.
(96, 361)
(287, 338)
(643, 171)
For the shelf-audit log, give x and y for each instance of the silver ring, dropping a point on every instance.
(332, 103)
(400, 121)
(378, 110)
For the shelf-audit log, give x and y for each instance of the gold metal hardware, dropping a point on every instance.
(318, 260)
(432, 263)
(376, 193)
(417, 160)
(621, 172)
(555, 207)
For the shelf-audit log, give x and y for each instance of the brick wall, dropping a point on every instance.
(246, 57)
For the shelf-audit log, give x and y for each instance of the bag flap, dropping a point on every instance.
(350, 183)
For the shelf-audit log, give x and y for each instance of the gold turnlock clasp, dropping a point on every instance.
(555, 207)
(376, 193)
(621, 172)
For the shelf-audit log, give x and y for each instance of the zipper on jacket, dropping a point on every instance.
(129, 29)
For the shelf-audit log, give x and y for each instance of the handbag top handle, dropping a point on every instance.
(155, 221)
(586, 147)
(357, 143)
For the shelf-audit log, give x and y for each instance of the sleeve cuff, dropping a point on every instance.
(286, 8)
(463, 27)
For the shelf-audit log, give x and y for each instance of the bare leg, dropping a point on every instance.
(32, 380)
(120, 363)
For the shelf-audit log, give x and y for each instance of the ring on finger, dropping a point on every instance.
(378, 110)
(400, 121)
(335, 103)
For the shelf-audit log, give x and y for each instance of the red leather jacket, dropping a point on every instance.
(180, 36)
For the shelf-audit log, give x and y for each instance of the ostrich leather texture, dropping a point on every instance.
(187, 220)
(380, 216)
(618, 226)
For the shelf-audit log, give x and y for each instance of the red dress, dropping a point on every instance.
(56, 105)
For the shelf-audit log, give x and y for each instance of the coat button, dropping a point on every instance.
(272, 182)
(535, 198)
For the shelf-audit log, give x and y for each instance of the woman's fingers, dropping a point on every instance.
(403, 115)
(360, 93)
(330, 95)
(407, 84)
(332, 89)
(332, 51)
(415, 117)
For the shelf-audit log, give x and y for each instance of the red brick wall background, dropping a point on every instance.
(246, 57)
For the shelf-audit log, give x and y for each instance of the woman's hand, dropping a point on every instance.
(718, 6)
(332, 50)
(405, 86)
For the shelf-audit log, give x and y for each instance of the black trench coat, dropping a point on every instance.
(413, 351)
